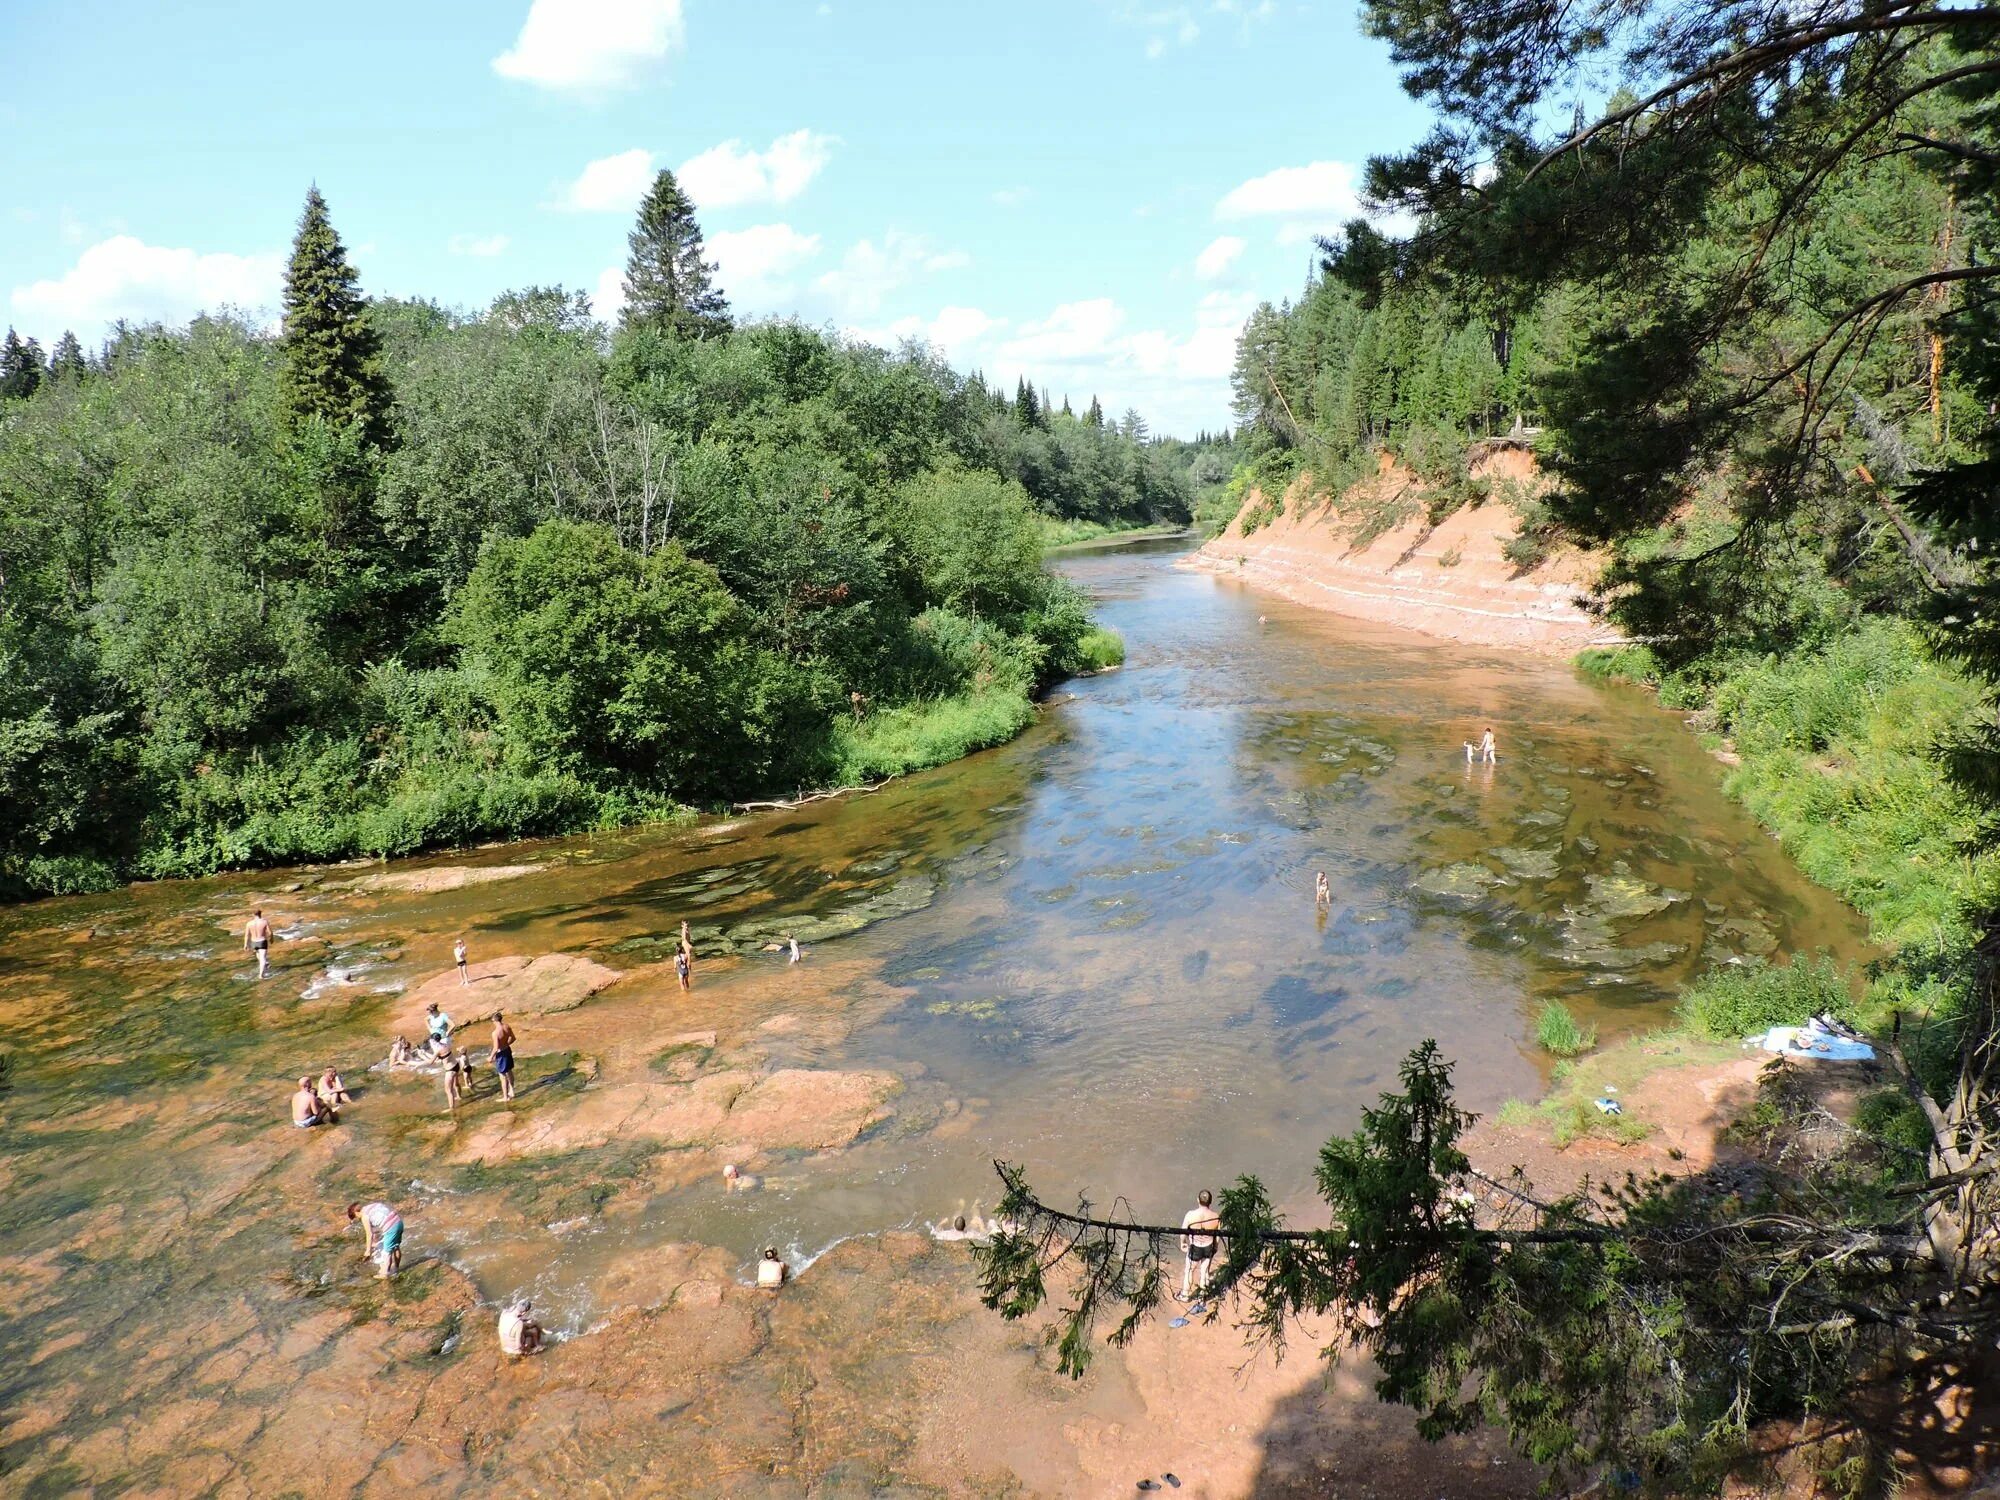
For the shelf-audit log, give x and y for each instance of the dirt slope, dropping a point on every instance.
(1451, 580)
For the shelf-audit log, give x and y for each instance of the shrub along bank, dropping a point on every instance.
(1840, 750)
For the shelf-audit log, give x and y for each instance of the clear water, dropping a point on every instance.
(1094, 951)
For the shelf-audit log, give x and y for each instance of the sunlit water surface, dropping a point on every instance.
(1102, 941)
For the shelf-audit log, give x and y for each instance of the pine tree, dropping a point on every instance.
(1134, 425)
(332, 355)
(1027, 408)
(21, 368)
(667, 283)
(68, 363)
(1095, 416)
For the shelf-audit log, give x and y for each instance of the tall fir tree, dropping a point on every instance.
(1027, 408)
(1095, 416)
(667, 283)
(332, 354)
(68, 363)
(21, 368)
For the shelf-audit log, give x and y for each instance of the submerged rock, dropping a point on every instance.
(1617, 897)
(1468, 881)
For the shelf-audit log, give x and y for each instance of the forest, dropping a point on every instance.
(393, 577)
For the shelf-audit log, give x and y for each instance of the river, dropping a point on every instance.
(1094, 951)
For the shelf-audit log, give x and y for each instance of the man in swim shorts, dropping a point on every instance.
(503, 1054)
(306, 1109)
(257, 939)
(1488, 749)
(381, 1236)
(1197, 1246)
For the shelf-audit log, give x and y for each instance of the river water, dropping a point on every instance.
(1094, 951)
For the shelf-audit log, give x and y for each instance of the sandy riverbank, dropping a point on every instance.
(1450, 580)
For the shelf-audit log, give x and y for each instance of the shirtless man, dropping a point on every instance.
(794, 944)
(458, 957)
(381, 1236)
(257, 940)
(519, 1333)
(1488, 751)
(503, 1054)
(332, 1092)
(1198, 1247)
(307, 1111)
(1322, 892)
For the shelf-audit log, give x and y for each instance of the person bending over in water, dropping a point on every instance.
(257, 939)
(1199, 1247)
(381, 1236)
(503, 1054)
(772, 1272)
(955, 1230)
(1322, 892)
(306, 1108)
(458, 957)
(519, 1333)
(1488, 748)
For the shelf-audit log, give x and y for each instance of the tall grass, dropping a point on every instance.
(1739, 1000)
(1839, 750)
(1557, 1031)
(919, 735)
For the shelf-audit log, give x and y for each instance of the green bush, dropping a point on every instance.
(1558, 1033)
(1096, 650)
(919, 735)
(1739, 1000)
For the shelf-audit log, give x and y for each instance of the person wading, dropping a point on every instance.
(257, 939)
(1197, 1246)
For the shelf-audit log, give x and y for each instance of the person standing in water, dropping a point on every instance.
(794, 944)
(503, 1054)
(257, 939)
(1197, 1244)
(1322, 892)
(1488, 750)
(381, 1236)
(458, 957)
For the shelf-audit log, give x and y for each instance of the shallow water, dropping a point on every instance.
(1094, 951)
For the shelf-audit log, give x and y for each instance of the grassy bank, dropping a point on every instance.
(1057, 533)
(1838, 751)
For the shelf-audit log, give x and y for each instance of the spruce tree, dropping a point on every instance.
(1027, 409)
(667, 283)
(68, 363)
(1095, 416)
(332, 355)
(21, 368)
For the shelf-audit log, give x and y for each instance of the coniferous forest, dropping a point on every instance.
(393, 576)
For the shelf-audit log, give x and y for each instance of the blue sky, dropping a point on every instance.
(1094, 193)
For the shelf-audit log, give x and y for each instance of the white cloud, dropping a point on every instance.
(730, 173)
(592, 44)
(608, 296)
(752, 263)
(1220, 254)
(482, 246)
(1327, 191)
(611, 184)
(956, 332)
(1010, 197)
(123, 277)
(869, 272)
